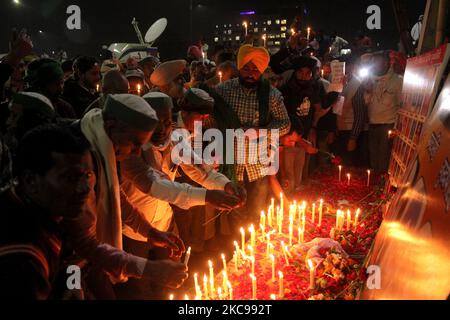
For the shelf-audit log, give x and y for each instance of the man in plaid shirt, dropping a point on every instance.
(257, 105)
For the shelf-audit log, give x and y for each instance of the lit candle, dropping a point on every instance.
(262, 221)
(338, 216)
(356, 218)
(219, 293)
(264, 39)
(139, 89)
(273, 296)
(271, 248)
(97, 88)
(225, 281)
(311, 275)
(203, 58)
(250, 250)
(171, 297)
(243, 240)
(272, 259)
(291, 234)
(224, 261)
(368, 178)
(313, 213)
(308, 34)
(252, 259)
(330, 50)
(211, 277)
(389, 134)
(322, 73)
(320, 212)
(236, 245)
(197, 287)
(252, 276)
(186, 297)
(205, 286)
(349, 219)
(188, 255)
(285, 253)
(281, 284)
(245, 26)
(230, 290)
(220, 76)
(340, 173)
(300, 236)
(348, 179)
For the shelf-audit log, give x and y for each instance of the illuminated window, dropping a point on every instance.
(216, 39)
(277, 43)
(229, 39)
(269, 22)
(283, 35)
(270, 43)
(283, 28)
(230, 25)
(255, 30)
(238, 38)
(224, 31)
(264, 29)
(256, 23)
(229, 31)
(283, 21)
(224, 38)
(277, 21)
(224, 25)
(217, 26)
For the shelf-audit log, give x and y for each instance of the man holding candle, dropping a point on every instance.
(256, 105)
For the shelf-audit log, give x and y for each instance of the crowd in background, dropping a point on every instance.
(86, 170)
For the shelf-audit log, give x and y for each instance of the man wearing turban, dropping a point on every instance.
(255, 104)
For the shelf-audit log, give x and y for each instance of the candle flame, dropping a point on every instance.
(210, 263)
(171, 297)
(273, 297)
(280, 274)
(310, 264)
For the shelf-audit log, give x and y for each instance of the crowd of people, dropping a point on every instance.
(87, 173)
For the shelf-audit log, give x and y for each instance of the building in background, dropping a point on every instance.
(269, 30)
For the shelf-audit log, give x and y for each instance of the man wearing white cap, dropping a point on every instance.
(125, 124)
(216, 190)
(256, 105)
(168, 78)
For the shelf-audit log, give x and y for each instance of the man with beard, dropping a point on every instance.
(47, 77)
(302, 96)
(55, 173)
(168, 78)
(215, 189)
(256, 105)
(80, 90)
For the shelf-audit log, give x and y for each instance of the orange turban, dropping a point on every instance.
(258, 55)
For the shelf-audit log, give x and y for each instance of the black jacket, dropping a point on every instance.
(78, 97)
(30, 245)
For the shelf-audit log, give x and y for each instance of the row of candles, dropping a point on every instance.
(245, 255)
(349, 176)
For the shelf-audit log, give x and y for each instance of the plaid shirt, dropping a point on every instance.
(246, 106)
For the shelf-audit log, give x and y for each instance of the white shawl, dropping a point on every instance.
(109, 218)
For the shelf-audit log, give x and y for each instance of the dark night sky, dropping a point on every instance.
(105, 22)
